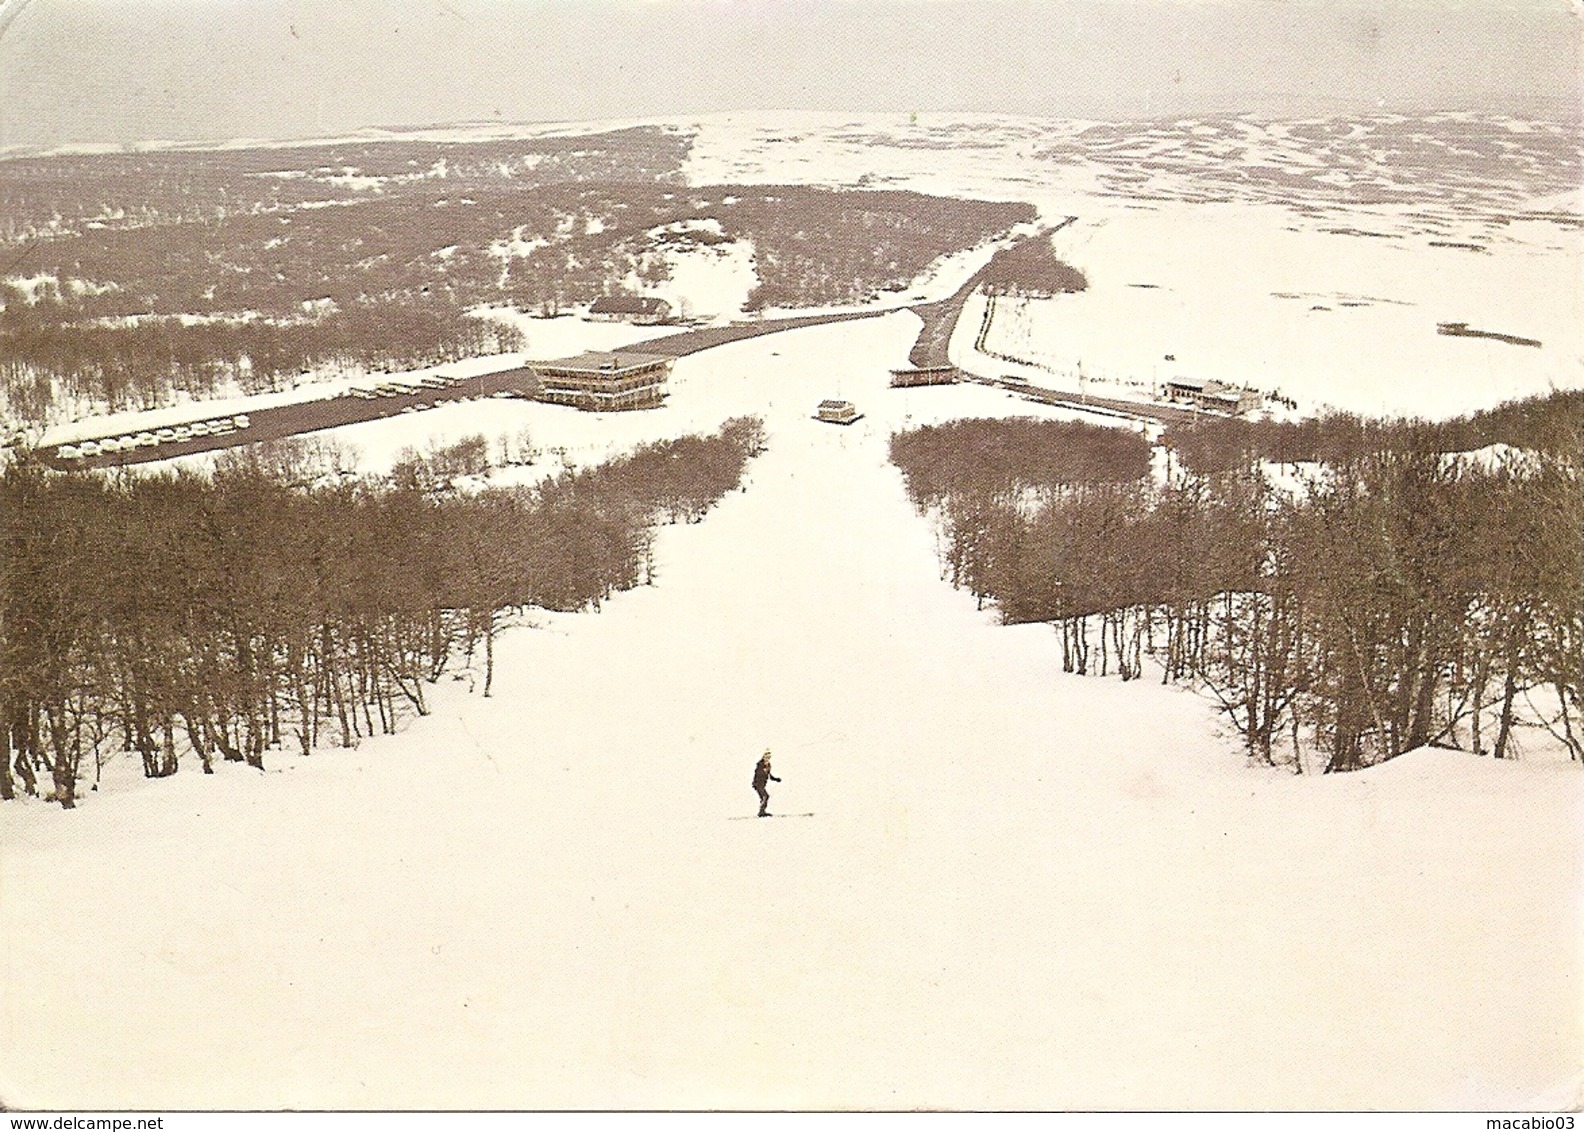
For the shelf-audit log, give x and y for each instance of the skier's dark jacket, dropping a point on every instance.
(762, 775)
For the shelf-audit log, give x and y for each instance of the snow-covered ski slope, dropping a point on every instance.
(1020, 889)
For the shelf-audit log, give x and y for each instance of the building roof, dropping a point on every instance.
(628, 304)
(601, 362)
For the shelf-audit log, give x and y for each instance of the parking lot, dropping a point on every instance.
(370, 400)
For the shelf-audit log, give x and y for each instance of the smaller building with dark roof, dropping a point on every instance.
(630, 308)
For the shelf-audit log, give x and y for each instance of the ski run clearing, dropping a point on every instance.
(1018, 888)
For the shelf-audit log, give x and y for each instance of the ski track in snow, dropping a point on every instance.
(1020, 889)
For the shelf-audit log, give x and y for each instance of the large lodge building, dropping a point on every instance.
(600, 382)
(1213, 395)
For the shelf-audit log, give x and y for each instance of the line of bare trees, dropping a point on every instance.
(47, 359)
(208, 618)
(1395, 598)
(1223, 444)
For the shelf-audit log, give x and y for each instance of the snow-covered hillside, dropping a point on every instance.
(994, 885)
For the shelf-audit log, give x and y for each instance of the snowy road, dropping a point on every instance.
(1018, 888)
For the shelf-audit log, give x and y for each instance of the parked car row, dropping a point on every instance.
(404, 388)
(152, 438)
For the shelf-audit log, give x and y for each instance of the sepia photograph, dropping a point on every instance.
(792, 556)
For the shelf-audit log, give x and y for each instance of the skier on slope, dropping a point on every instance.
(761, 780)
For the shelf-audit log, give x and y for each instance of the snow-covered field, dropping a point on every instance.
(1298, 258)
(1234, 293)
(1014, 888)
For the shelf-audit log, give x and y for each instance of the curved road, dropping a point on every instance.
(930, 348)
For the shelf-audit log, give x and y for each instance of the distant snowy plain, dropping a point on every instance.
(1314, 260)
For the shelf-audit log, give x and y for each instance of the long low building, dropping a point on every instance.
(600, 382)
(909, 376)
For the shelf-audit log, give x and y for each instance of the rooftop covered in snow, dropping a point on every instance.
(600, 363)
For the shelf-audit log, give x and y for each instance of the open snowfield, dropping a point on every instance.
(1016, 889)
(1308, 259)
(1240, 294)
